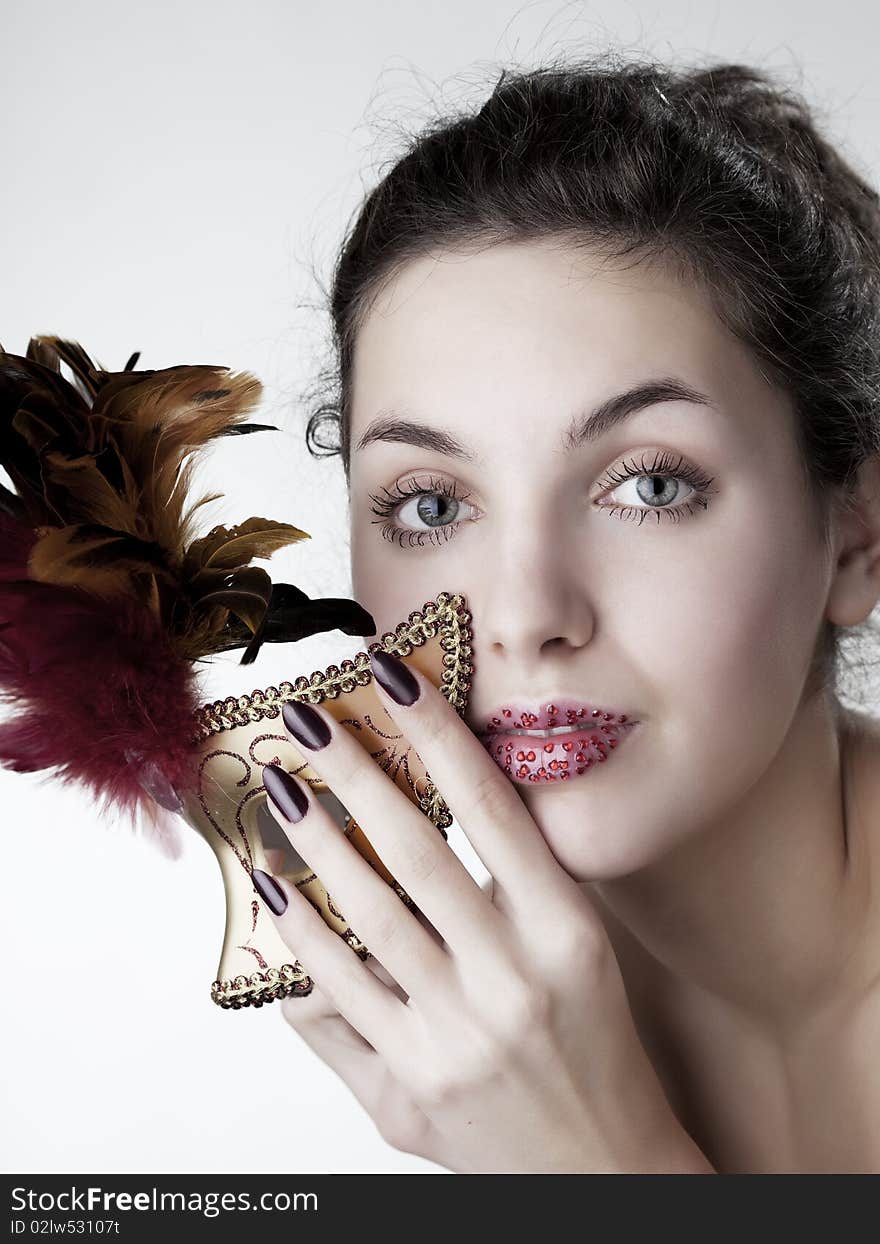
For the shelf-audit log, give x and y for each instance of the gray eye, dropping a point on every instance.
(654, 490)
(431, 508)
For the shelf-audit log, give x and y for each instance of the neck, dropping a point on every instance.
(766, 910)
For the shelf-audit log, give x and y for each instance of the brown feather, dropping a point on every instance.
(103, 468)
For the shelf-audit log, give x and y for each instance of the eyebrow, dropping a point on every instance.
(583, 429)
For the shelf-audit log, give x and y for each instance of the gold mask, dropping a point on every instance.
(229, 809)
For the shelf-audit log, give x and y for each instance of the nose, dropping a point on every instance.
(533, 605)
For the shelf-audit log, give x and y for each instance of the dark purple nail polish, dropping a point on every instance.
(395, 677)
(306, 726)
(269, 891)
(286, 794)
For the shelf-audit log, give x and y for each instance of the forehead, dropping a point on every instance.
(522, 323)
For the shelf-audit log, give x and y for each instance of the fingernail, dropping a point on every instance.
(269, 891)
(288, 797)
(306, 726)
(395, 677)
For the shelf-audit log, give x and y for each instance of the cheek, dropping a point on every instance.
(391, 582)
(719, 648)
(725, 641)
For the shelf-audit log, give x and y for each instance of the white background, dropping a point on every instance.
(176, 180)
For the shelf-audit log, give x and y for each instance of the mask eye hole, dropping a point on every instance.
(275, 839)
(333, 806)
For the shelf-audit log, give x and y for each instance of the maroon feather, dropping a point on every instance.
(120, 726)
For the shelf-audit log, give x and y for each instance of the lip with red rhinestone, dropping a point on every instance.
(566, 740)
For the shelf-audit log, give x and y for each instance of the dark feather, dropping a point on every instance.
(108, 596)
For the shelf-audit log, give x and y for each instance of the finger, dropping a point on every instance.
(483, 801)
(361, 1068)
(370, 906)
(316, 1007)
(407, 842)
(337, 1044)
(306, 1011)
(383, 973)
(385, 976)
(368, 1005)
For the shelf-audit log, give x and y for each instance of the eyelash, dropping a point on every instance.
(662, 464)
(386, 507)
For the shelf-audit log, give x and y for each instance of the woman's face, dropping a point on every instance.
(688, 596)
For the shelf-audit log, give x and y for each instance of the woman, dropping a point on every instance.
(608, 365)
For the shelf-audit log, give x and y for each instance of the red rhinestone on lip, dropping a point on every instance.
(559, 758)
(554, 713)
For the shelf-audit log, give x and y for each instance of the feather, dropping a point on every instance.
(108, 596)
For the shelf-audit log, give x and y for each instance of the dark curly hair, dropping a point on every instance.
(720, 170)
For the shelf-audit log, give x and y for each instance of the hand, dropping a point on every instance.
(491, 1032)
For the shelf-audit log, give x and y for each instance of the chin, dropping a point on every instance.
(590, 847)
